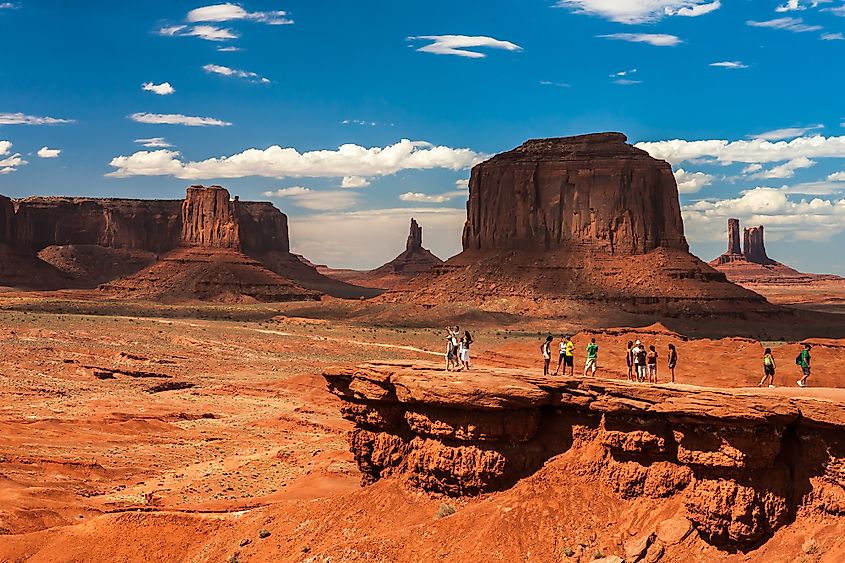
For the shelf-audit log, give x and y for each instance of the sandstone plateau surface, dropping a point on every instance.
(750, 266)
(742, 465)
(555, 225)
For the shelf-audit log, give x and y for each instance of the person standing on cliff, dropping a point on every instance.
(463, 349)
(451, 349)
(768, 368)
(638, 359)
(569, 357)
(803, 360)
(629, 360)
(592, 357)
(673, 360)
(561, 355)
(546, 350)
(651, 362)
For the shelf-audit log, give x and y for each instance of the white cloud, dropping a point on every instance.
(640, 11)
(226, 71)
(229, 12)
(790, 6)
(9, 6)
(12, 162)
(836, 177)
(278, 162)
(691, 182)
(462, 183)
(815, 219)
(832, 37)
(207, 32)
(785, 170)
(656, 39)
(368, 239)
(358, 122)
(755, 150)
(177, 119)
(559, 84)
(228, 49)
(786, 133)
(354, 182)
(162, 89)
(623, 73)
(751, 168)
(328, 200)
(730, 64)
(154, 142)
(795, 25)
(45, 152)
(460, 44)
(22, 119)
(627, 81)
(418, 197)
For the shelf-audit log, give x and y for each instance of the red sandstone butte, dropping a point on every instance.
(563, 223)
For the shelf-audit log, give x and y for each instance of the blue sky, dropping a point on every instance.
(312, 76)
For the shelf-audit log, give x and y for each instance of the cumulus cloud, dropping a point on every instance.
(418, 197)
(802, 219)
(354, 182)
(368, 239)
(278, 162)
(795, 25)
(786, 133)
(785, 170)
(640, 11)
(691, 182)
(23, 119)
(837, 177)
(45, 152)
(177, 119)
(790, 6)
(730, 64)
(462, 183)
(207, 32)
(226, 71)
(9, 162)
(751, 151)
(163, 89)
(656, 39)
(229, 12)
(154, 142)
(324, 200)
(459, 45)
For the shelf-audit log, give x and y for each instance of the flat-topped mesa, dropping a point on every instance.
(594, 190)
(210, 218)
(754, 247)
(7, 220)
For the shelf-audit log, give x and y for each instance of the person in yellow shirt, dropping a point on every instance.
(569, 357)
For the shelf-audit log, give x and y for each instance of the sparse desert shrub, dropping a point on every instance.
(810, 546)
(444, 511)
(263, 533)
(568, 551)
(598, 554)
(233, 558)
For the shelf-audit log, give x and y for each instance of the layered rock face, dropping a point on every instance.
(753, 246)
(7, 220)
(743, 464)
(562, 225)
(594, 190)
(210, 218)
(414, 260)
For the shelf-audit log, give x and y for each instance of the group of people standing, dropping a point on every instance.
(457, 349)
(641, 360)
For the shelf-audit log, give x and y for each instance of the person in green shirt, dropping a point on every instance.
(803, 360)
(592, 356)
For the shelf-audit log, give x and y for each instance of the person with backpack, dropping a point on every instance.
(463, 349)
(546, 350)
(803, 360)
(768, 369)
(673, 360)
(592, 357)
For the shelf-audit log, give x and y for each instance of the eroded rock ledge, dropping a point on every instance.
(746, 463)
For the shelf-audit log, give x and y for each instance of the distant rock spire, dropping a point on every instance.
(733, 237)
(754, 247)
(414, 237)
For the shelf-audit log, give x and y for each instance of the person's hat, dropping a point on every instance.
(637, 342)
